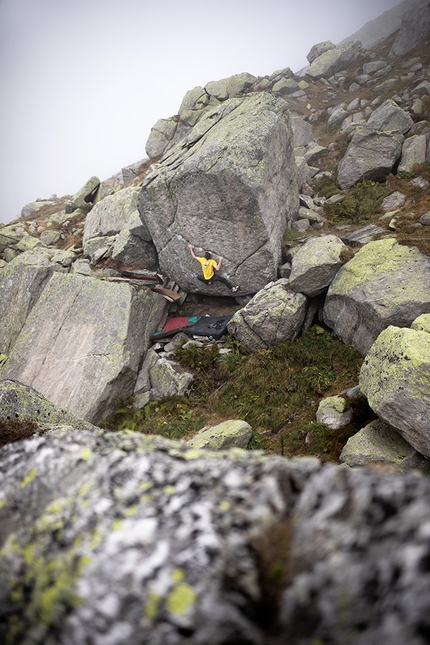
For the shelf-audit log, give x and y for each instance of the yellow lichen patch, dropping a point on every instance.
(27, 480)
(116, 525)
(131, 510)
(153, 602)
(225, 505)
(178, 575)
(181, 599)
(86, 454)
(169, 490)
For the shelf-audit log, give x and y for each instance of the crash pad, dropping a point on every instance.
(214, 326)
(174, 325)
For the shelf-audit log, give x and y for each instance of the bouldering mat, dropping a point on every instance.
(175, 325)
(214, 326)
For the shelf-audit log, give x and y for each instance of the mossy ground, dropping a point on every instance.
(12, 430)
(276, 390)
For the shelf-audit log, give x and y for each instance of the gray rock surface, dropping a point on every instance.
(233, 433)
(384, 284)
(336, 60)
(121, 537)
(89, 353)
(114, 228)
(413, 153)
(414, 28)
(229, 187)
(315, 264)
(275, 313)
(379, 442)
(394, 378)
(20, 288)
(319, 49)
(360, 552)
(18, 401)
(375, 147)
(334, 411)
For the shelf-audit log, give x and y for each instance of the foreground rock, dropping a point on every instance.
(228, 187)
(359, 562)
(118, 537)
(274, 314)
(395, 378)
(88, 353)
(384, 284)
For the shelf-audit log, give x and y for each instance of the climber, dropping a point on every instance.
(210, 268)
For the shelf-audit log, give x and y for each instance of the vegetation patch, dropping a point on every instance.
(12, 430)
(276, 390)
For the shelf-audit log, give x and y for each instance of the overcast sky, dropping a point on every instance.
(83, 81)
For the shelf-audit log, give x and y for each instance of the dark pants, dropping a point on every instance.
(216, 278)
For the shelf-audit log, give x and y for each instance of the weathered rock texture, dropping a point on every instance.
(384, 284)
(395, 377)
(375, 148)
(275, 313)
(83, 342)
(316, 263)
(379, 442)
(120, 537)
(228, 187)
(414, 28)
(351, 582)
(20, 288)
(335, 60)
(21, 402)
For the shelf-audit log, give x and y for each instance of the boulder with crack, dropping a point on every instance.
(228, 187)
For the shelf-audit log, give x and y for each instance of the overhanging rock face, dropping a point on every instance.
(228, 187)
(83, 342)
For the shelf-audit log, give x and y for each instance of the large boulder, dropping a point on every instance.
(414, 29)
(160, 136)
(376, 147)
(319, 49)
(229, 187)
(20, 287)
(395, 379)
(88, 353)
(336, 60)
(115, 226)
(274, 314)
(384, 284)
(316, 263)
(86, 196)
(125, 538)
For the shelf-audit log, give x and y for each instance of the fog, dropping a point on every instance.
(83, 81)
